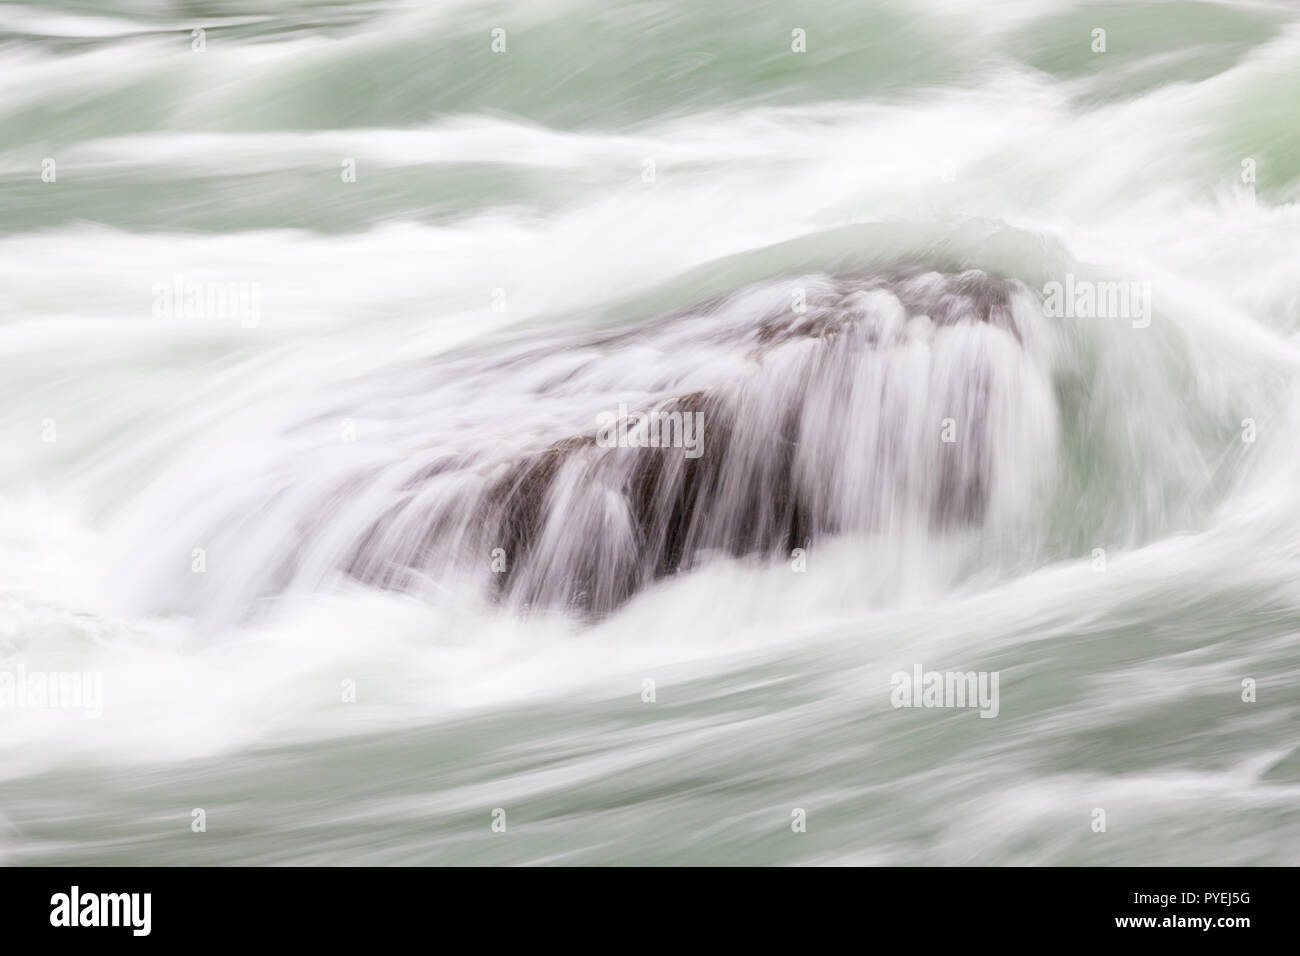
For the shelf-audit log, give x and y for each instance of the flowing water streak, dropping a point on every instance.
(791, 412)
(641, 188)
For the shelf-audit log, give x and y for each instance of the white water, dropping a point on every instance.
(1121, 689)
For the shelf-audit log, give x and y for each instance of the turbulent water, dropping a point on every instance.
(314, 322)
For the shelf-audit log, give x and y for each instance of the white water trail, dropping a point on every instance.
(1121, 687)
(572, 473)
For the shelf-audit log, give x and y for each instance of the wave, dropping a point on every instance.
(935, 413)
(791, 411)
(825, 263)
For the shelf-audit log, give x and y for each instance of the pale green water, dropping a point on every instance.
(936, 134)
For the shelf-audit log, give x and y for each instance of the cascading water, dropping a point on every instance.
(576, 471)
(404, 420)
